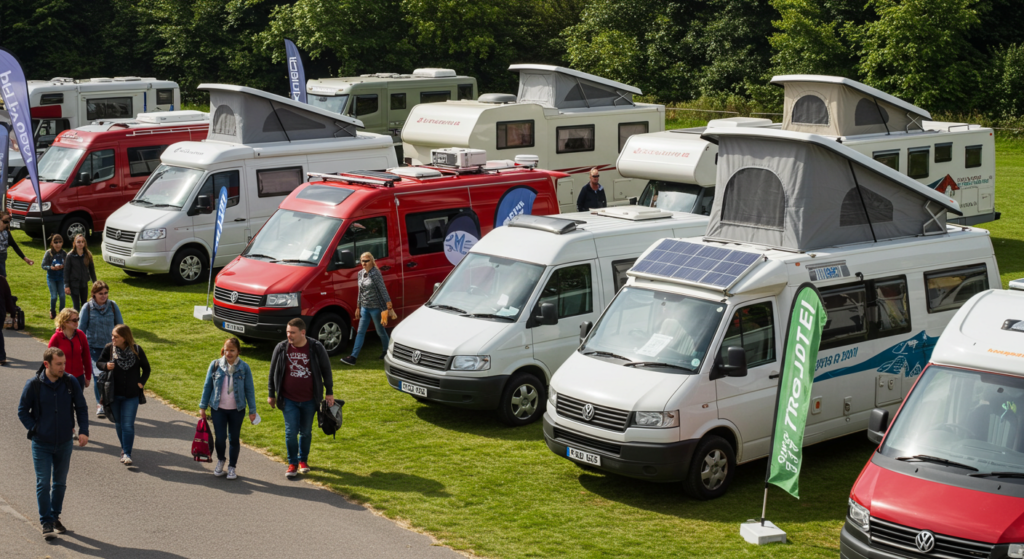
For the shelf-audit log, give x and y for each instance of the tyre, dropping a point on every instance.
(711, 470)
(134, 274)
(332, 331)
(522, 401)
(189, 266)
(73, 226)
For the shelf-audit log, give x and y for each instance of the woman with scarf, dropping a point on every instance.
(98, 318)
(125, 361)
(228, 389)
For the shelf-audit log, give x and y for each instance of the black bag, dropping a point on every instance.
(19, 321)
(329, 417)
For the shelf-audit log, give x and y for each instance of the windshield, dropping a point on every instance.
(488, 285)
(168, 187)
(677, 197)
(334, 104)
(968, 417)
(57, 164)
(642, 325)
(294, 238)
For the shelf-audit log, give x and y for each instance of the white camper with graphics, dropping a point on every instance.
(260, 147)
(677, 380)
(571, 120)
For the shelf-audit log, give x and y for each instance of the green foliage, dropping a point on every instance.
(810, 40)
(1008, 78)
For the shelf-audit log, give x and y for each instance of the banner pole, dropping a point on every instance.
(764, 506)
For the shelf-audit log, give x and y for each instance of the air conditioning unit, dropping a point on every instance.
(459, 158)
(433, 73)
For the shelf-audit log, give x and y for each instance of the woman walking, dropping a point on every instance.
(78, 270)
(53, 263)
(69, 339)
(228, 390)
(126, 362)
(98, 318)
(7, 240)
(373, 297)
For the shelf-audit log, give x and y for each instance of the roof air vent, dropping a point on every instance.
(497, 98)
(1017, 285)
(633, 213)
(433, 73)
(530, 161)
(543, 223)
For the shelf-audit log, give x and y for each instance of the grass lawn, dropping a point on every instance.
(483, 487)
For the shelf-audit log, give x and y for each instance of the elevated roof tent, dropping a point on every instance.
(797, 191)
(837, 106)
(561, 88)
(243, 115)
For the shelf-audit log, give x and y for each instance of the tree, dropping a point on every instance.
(810, 40)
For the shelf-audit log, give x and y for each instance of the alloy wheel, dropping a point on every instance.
(714, 469)
(330, 336)
(190, 268)
(524, 401)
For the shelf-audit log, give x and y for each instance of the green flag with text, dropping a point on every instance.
(806, 321)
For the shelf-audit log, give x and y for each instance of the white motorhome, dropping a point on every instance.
(678, 378)
(571, 120)
(260, 146)
(508, 315)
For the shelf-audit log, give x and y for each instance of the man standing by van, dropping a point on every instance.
(592, 196)
(300, 371)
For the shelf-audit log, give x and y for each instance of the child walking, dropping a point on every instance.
(7, 240)
(78, 270)
(53, 263)
(228, 390)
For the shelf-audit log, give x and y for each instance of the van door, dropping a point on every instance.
(233, 237)
(571, 289)
(102, 195)
(375, 234)
(747, 401)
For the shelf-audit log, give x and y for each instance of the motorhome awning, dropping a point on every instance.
(562, 88)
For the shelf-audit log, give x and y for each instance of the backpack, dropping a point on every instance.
(329, 417)
(201, 447)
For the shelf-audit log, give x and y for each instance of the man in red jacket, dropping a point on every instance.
(72, 341)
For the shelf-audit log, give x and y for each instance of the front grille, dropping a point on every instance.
(413, 377)
(889, 534)
(604, 418)
(119, 250)
(120, 235)
(428, 360)
(244, 299)
(574, 439)
(18, 205)
(231, 315)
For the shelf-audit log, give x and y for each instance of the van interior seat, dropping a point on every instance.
(993, 424)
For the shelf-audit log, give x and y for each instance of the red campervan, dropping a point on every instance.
(93, 170)
(302, 263)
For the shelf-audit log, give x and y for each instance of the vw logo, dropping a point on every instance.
(588, 412)
(416, 355)
(925, 541)
(117, 235)
(234, 297)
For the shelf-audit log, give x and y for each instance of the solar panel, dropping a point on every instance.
(696, 263)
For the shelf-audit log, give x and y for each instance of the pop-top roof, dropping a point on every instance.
(563, 88)
(985, 334)
(838, 106)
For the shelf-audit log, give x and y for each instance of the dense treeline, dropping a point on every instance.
(947, 55)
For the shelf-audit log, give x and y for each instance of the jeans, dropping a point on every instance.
(367, 317)
(298, 429)
(51, 463)
(56, 292)
(94, 352)
(3, 263)
(228, 424)
(125, 410)
(79, 295)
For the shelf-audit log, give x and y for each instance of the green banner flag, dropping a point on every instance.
(806, 321)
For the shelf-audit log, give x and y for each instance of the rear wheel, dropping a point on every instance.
(332, 331)
(711, 470)
(522, 401)
(189, 266)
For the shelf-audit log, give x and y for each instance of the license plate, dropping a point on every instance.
(585, 457)
(234, 328)
(15, 224)
(413, 389)
(115, 260)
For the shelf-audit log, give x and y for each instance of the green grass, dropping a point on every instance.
(479, 486)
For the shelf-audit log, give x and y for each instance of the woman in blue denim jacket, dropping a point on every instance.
(228, 390)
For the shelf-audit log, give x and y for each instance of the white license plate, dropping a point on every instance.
(115, 260)
(234, 328)
(413, 389)
(585, 457)
(15, 224)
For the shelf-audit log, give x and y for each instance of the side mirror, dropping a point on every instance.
(878, 424)
(84, 179)
(346, 259)
(437, 286)
(633, 201)
(203, 204)
(547, 315)
(585, 328)
(735, 363)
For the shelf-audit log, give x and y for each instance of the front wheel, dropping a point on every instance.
(73, 227)
(522, 401)
(188, 267)
(711, 470)
(332, 331)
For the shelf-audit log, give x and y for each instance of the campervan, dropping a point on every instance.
(955, 159)
(259, 147)
(677, 380)
(417, 222)
(947, 478)
(571, 120)
(92, 170)
(508, 315)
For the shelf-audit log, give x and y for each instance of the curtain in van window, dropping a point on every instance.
(114, 107)
(278, 182)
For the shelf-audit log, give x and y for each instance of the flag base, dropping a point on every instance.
(754, 533)
(202, 313)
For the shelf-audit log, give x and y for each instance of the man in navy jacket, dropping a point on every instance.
(50, 403)
(592, 196)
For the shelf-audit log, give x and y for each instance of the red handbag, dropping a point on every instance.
(202, 449)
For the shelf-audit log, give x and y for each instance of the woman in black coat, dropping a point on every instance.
(126, 365)
(78, 270)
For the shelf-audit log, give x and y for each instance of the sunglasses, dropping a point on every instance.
(7, 221)
(365, 261)
(73, 320)
(595, 176)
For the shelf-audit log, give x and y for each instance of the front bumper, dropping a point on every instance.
(475, 393)
(664, 462)
(33, 225)
(259, 324)
(122, 255)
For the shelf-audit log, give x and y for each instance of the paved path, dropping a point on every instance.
(169, 506)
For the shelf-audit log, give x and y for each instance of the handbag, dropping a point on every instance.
(201, 447)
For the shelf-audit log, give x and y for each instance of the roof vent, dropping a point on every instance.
(127, 79)
(497, 98)
(433, 73)
(740, 122)
(421, 173)
(1017, 285)
(458, 158)
(633, 213)
(530, 161)
(543, 223)
(63, 80)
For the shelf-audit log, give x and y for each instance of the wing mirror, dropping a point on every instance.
(203, 204)
(633, 200)
(585, 328)
(878, 424)
(735, 363)
(437, 286)
(84, 178)
(545, 315)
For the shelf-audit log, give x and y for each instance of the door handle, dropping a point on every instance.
(385, 268)
(410, 265)
(240, 219)
(113, 186)
(773, 376)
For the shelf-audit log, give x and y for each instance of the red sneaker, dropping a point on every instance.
(293, 471)
(303, 468)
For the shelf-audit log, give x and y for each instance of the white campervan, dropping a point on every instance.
(678, 378)
(571, 120)
(509, 314)
(260, 146)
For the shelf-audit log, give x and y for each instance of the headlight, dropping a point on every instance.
(860, 516)
(552, 394)
(283, 300)
(656, 419)
(391, 345)
(471, 363)
(1016, 550)
(34, 207)
(154, 234)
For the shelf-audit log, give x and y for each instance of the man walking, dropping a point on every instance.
(300, 371)
(592, 196)
(50, 403)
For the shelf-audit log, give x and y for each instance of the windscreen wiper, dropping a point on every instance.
(142, 202)
(484, 315)
(936, 459)
(166, 206)
(295, 260)
(655, 364)
(607, 354)
(448, 308)
(259, 256)
(997, 474)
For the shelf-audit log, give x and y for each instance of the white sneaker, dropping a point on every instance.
(127, 460)
(218, 470)
(231, 472)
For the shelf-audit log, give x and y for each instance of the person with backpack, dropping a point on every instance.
(50, 403)
(98, 318)
(228, 389)
(127, 367)
(300, 372)
(72, 341)
(53, 263)
(7, 240)
(78, 270)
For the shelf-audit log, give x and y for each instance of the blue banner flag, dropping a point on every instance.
(5, 155)
(515, 201)
(14, 89)
(218, 227)
(296, 75)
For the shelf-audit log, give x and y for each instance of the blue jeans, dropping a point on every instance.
(367, 317)
(298, 429)
(227, 426)
(51, 463)
(94, 352)
(56, 292)
(125, 410)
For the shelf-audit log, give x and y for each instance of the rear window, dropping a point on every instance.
(572, 139)
(51, 99)
(113, 107)
(515, 134)
(435, 96)
(950, 289)
(165, 97)
(972, 156)
(465, 91)
(142, 161)
(278, 182)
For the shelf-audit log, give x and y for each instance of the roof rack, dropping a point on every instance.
(372, 178)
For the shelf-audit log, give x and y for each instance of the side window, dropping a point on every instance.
(213, 185)
(950, 289)
(51, 99)
(99, 165)
(889, 158)
(435, 96)
(810, 109)
(943, 152)
(426, 230)
(365, 105)
(571, 290)
(972, 156)
(165, 97)
(627, 129)
(572, 139)
(753, 329)
(917, 162)
(889, 313)
(515, 134)
(143, 160)
(366, 235)
(114, 107)
(397, 101)
(865, 311)
(619, 269)
(278, 182)
(707, 200)
(465, 91)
